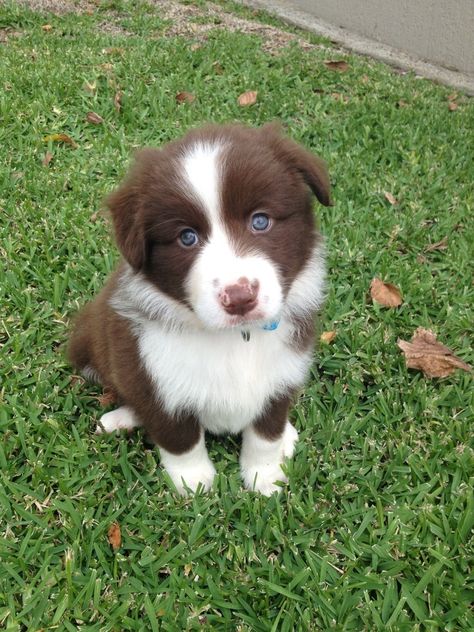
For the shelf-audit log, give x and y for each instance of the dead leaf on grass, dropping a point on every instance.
(327, 337)
(338, 65)
(118, 101)
(185, 97)
(385, 294)
(453, 96)
(60, 138)
(47, 28)
(94, 118)
(247, 98)
(114, 536)
(452, 106)
(47, 158)
(390, 198)
(107, 397)
(426, 354)
(439, 245)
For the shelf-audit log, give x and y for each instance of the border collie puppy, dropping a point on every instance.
(208, 322)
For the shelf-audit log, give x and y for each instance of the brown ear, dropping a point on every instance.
(312, 168)
(125, 206)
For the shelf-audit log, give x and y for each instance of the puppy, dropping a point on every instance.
(208, 322)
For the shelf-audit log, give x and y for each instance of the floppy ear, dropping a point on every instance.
(126, 208)
(312, 168)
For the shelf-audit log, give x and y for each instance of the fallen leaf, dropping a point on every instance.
(452, 106)
(47, 158)
(118, 101)
(94, 118)
(327, 336)
(385, 294)
(247, 98)
(185, 97)
(426, 354)
(338, 65)
(453, 96)
(107, 397)
(47, 28)
(114, 536)
(391, 198)
(439, 245)
(60, 138)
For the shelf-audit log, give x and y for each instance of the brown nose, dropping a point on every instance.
(240, 298)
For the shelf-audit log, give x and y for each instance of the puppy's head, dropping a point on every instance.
(222, 220)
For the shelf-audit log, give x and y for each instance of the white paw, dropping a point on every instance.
(190, 478)
(190, 469)
(263, 478)
(290, 437)
(122, 418)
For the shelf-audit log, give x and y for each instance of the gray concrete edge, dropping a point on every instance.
(363, 45)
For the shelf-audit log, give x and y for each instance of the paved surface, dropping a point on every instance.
(288, 11)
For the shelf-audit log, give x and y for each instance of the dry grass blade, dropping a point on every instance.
(94, 118)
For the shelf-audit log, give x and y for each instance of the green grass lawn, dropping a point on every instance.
(374, 529)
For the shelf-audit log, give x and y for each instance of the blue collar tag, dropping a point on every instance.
(271, 326)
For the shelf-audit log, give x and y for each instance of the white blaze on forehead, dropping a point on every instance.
(201, 169)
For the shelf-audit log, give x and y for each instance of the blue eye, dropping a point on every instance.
(188, 237)
(260, 221)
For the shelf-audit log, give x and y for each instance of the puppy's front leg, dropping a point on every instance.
(183, 452)
(265, 444)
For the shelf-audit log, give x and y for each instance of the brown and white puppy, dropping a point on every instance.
(207, 324)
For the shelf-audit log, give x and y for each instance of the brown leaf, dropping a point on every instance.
(247, 98)
(118, 101)
(107, 397)
(452, 106)
(391, 198)
(338, 65)
(60, 138)
(426, 354)
(327, 336)
(185, 97)
(439, 245)
(93, 117)
(453, 96)
(114, 536)
(47, 158)
(385, 294)
(47, 28)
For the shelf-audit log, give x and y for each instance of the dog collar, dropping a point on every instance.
(271, 326)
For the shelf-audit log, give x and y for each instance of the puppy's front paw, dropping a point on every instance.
(190, 478)
(263, 478)
(122, 418)
(189, 469)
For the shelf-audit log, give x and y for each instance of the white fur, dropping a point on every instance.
(122, 418)
(261, 460)
(201, 170)
(190, 469)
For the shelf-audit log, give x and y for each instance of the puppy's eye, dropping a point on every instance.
(188, 237)
(260, 222)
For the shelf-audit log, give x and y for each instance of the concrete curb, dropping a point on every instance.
(362, 45)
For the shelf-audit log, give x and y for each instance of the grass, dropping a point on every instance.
(374, 531)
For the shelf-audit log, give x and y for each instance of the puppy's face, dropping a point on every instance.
(221, 221)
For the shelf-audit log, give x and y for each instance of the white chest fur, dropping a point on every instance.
(217, 375)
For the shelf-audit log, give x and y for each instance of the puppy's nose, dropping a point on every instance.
(240, 298)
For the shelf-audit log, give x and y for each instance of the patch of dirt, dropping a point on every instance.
(59, 7)
(188, 20)
(215, 17)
